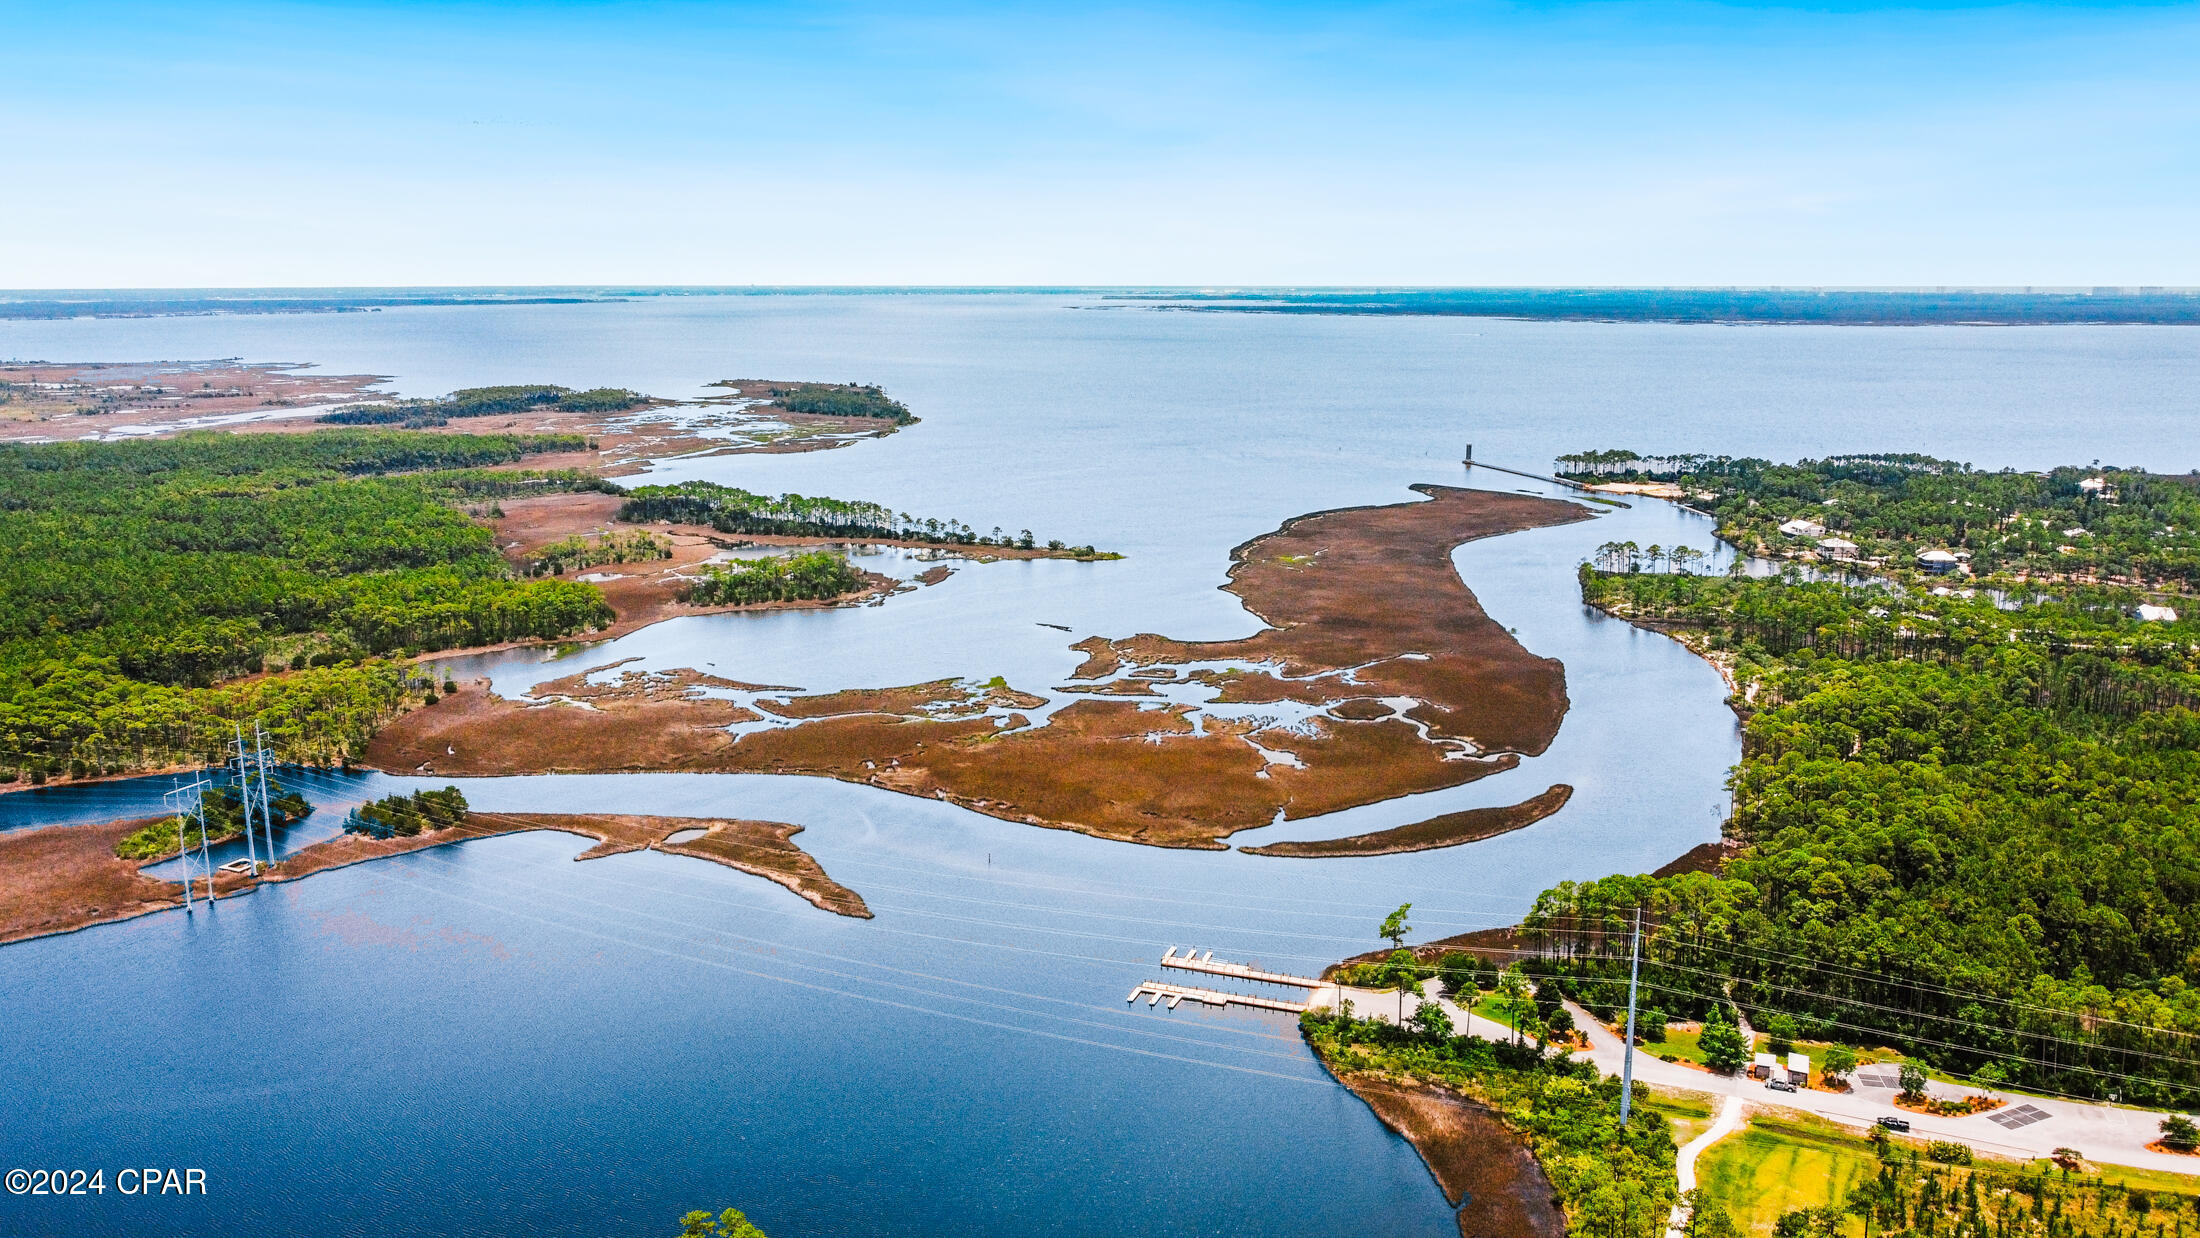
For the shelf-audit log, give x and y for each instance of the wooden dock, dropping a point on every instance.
(1156, 992)
(1193, 960)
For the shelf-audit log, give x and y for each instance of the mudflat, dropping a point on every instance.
(1448, 830)
(759, 848)
(67, 877)
(1472, 1156)
(1415, 686)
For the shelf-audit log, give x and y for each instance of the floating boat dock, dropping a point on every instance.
(1155, 992)
(1193, 960)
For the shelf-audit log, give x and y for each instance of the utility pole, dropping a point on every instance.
(1627, 1063)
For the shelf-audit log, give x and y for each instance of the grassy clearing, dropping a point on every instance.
(2151, 1179)
(1778, 1164)
(1691, 1113)
(1680, 1045)
(1493, 1007)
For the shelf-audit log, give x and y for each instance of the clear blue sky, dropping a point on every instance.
(1616, 143)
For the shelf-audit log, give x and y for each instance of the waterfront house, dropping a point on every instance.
(1838, 547)
(1803, 528)
(1937, 562)
(1798, 1069)
(1765, 1066)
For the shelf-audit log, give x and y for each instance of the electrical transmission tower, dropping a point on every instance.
(245, 794)
(252, 788)
(185, 819)
(259, 763)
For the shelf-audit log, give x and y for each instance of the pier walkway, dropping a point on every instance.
(1193, 960)
(1154, 991)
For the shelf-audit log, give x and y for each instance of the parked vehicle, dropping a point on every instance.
(1779, 1085)
(1896, 1124)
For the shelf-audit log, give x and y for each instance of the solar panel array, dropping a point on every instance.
(2019, 1117)
(1878, 1079)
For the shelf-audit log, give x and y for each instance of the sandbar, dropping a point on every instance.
(1449, 830)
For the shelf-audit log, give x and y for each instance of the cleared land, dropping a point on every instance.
(1363, 607)
(1776, 1165)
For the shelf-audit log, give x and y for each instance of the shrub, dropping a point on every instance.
(2179, 1134)
(1913, 1080)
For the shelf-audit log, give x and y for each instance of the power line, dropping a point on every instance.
(1764, 955)
(884, 1001)
(693, 926)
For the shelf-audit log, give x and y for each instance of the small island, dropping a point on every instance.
(67, 877)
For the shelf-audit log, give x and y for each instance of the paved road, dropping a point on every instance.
(2110, 1134)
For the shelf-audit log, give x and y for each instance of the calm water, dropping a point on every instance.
(492, 1038)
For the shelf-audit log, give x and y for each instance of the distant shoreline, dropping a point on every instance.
(1766, 306)
(1721, 306)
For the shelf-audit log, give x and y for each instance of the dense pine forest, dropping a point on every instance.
(730, 509)
(485, 402)
(2110, 525)
(1962, 828)
(810, 576)
(848, 400)
(146, 586)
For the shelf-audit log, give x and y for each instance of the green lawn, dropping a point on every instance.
(1491, 1006)
(1678, 1044)
(1778, 1164)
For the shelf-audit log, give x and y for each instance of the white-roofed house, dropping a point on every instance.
(1937, 562)
(1803, 528)
(1837, 547)
(2147, 613)
(1765, 1066)
(1798, 1068)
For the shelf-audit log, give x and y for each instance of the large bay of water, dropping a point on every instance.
(490, 1038)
